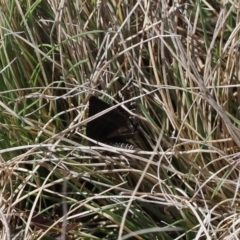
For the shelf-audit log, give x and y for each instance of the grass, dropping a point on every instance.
(181, 179)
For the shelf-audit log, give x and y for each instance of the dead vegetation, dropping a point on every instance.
(181, 179)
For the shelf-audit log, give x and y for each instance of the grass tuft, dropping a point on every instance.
(180, 180)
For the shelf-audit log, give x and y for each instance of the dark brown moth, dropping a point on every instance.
(114, 126)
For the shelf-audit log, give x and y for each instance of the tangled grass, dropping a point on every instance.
(182, 60)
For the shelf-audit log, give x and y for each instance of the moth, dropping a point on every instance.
(115, 126)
